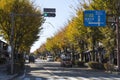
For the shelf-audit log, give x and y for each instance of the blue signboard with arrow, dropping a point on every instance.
(94, 18)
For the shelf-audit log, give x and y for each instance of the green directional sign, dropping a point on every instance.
(49, 14)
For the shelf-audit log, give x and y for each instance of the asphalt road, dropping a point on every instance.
(43, 70)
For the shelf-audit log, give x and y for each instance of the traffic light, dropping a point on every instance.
(49, 14)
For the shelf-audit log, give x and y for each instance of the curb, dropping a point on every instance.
(22, 76)
(18, 76)
(11, 78)
(116, 73)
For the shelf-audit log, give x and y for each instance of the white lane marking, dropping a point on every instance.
(61, 79)
(56, 79)
(93, 78)
(51, 72)
(83, 78)
(72, 78)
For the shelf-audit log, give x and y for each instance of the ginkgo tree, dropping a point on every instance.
(108, 32)
(26, 28)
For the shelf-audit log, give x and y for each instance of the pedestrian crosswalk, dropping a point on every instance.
(50, 79)
(71, 78)
(32, 79)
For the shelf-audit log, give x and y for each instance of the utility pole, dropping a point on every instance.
(12, 42)
(115, 19)
(118, 42)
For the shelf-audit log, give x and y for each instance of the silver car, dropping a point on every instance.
(50, 58)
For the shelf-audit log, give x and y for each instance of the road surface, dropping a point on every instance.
(43, 70)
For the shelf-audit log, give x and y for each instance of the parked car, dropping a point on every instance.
(31, 59)
(50, 58)
(66, 62)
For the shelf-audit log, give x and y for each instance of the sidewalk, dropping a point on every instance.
(20, 76)
(3, 73)
(114, 72)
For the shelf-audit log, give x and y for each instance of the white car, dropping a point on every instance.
(50, 58)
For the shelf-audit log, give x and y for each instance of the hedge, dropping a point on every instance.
(96, 65)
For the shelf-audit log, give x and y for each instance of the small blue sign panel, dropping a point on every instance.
(94, 18)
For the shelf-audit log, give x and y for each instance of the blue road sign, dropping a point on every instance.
(94, 18)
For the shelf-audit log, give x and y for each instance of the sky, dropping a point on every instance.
(65, 10)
